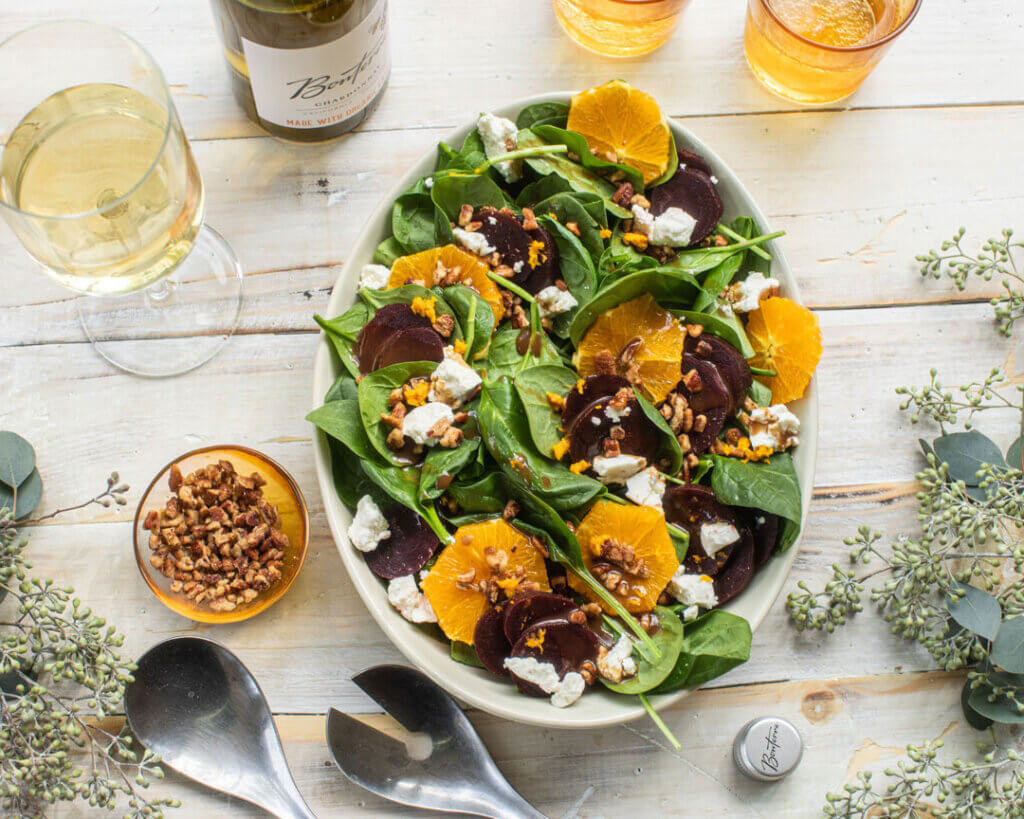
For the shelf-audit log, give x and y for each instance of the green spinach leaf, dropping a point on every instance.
(714, 643)
(541, 189)
(577, 143)
(760, 394)
(577, 269)
(720, 277)
(772, 487)
(650, 672)
(374, 389)
(568, 208)
(388, 251)
(473, 315)
(544, 421)
(342, 332)
(701, 259)
(543, 113)
(504, 358)
(413, 222)
(465, 653)
(443, 463)
(669, 449)
(450, 193)
(730, 330)
(402, 486)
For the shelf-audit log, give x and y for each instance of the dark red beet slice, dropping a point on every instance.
(730, 363)
(736, 574)
(765, 528)
(690, 507)
(390, 319)
(688, 159)
(592, 426)
(521, 613)
(411, 545)
(713, 400)
(413, 344)
(595, 388)
(565, 645)
(490, 642)
(692, 191)
(506, 234)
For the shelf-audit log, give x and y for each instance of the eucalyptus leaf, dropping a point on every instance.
(1015, 455)
(1002, 709)
(974, 719)
(374, 389)
(771, 486)
(652, 672)
(965, 452)
(23, 500)
(17, 459)
(713, 644)
(543, 113)
(577, 143)
(730, 330)
(1008, 648)
(977, 611)
(533, 386)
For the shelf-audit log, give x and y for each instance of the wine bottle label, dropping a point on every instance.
(318, 86)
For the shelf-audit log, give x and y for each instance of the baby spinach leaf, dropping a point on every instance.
(541, 113)
(472, 151)
(619, 259)
(650, 674)
(568, 208)
(504, 359)
(344, 386)
(342, 332)
(772, 487)
(730, 330)
(977, 611)
(27, 496)
(1008, 649)
(473, 315)
(413, 222)
(450, 159)
(578, 177)
(402, 486)
(341, 421)
(349, 479)
(507, 437)
(576, 267)
(465, 653)
(442, 461)
(673, 162)
(666, 286)
(700, 259)
(577, 143)
(17, 459)
(680, 541)
(541, 189)
(450, 193)
(374, 389)
(388, 251)
(544, 421)
(720, 277)
(670, 447)
(760, 394)
(965, 452)
(714, 643)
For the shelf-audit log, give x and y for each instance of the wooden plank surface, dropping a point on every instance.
(859, 188)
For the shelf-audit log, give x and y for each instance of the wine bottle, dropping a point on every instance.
(307, 70)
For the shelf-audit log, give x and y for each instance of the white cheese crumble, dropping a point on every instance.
(564, 692)
(412, 604)
(774, 427)
(473, 241)
(518, 266)
(618, 468)
(428, 182)
(595, 420)
(615, 415)
(553, 302)
(374, 276)
(453, 381)
(692, 589)
(673, 228)
(369, 526)
(646, 488)
(691, 613)
(752, 290)
(499, 136)
(618, 663)
(420, 421)
(716, 536)
(714, 179)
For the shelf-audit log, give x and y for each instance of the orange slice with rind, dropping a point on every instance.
(786, 338)
(420, 268)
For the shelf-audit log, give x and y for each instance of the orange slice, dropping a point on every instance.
(641, 529)
(458, 607)
(636, 332)
(786, 338)
(422, 267)
(624, 125)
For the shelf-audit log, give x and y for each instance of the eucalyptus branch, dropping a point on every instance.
(115, 493)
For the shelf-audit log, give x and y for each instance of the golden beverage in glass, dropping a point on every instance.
(619, 28)
(98, 183)
(819, 51)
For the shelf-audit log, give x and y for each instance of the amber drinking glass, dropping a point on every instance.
(819, 51)
(619, 28)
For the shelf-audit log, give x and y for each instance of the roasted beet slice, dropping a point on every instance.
(411, 545)
(595, 388)
(490, 642)
(413, 344)
(557, 641)
(736, 574)
(692, 191)
(593, 425)
(521, 613)
(390, 319)
(690, 507)
(712, 400)
(688, 159)
(506, 234)
(765, 528)
(730, 363)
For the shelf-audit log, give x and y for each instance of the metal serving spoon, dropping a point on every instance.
(197, 706)
(455, 774)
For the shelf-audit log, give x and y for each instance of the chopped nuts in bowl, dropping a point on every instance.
(221, 533)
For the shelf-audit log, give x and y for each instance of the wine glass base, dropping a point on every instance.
(175, 325)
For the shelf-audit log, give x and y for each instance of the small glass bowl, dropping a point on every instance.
(280, 490)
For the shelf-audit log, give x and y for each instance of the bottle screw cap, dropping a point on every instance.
(767, 749)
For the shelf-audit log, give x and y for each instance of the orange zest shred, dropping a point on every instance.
(745, 452)
(537, 256)
(580, 467)
(459, 346)
(425, 307)
(555, 400)
(637, 240)
(537, 640)
(559, 449)
(416, 396)
(605, 233)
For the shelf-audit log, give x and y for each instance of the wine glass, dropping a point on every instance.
(98, 183)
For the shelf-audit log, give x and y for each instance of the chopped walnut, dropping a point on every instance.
(694, 330)
(691, 381)
(700, 422)
(529, 220)
(465, 215)
(395, 440)
(396, 418)
(621, 399)
(611, 447)
(641, 200)
(623, 194)
(519, 318)
(623, 556)
(450, 438)
(444, 325)
(510, 511)
(604, 362)
(675, 410)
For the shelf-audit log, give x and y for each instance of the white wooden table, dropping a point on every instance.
(931, 141)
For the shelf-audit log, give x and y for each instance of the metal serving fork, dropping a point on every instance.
(458, 775)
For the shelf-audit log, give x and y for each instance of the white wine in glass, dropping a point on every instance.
(99, 184)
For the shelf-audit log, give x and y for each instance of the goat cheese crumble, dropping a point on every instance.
(618, 468)
(553, 302)
(691, 613)
(774, 427)
(369, 526)
(453, 381)
(374, 276)
(473, 241)
(615, 415)
(617, 663)
(645, 488)
(569, 690)
(716, 536)
(420, 421)
(692, 589)
(752, 290)
(412, 604)
(499, 136)
(673, 228)
(564, 692)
